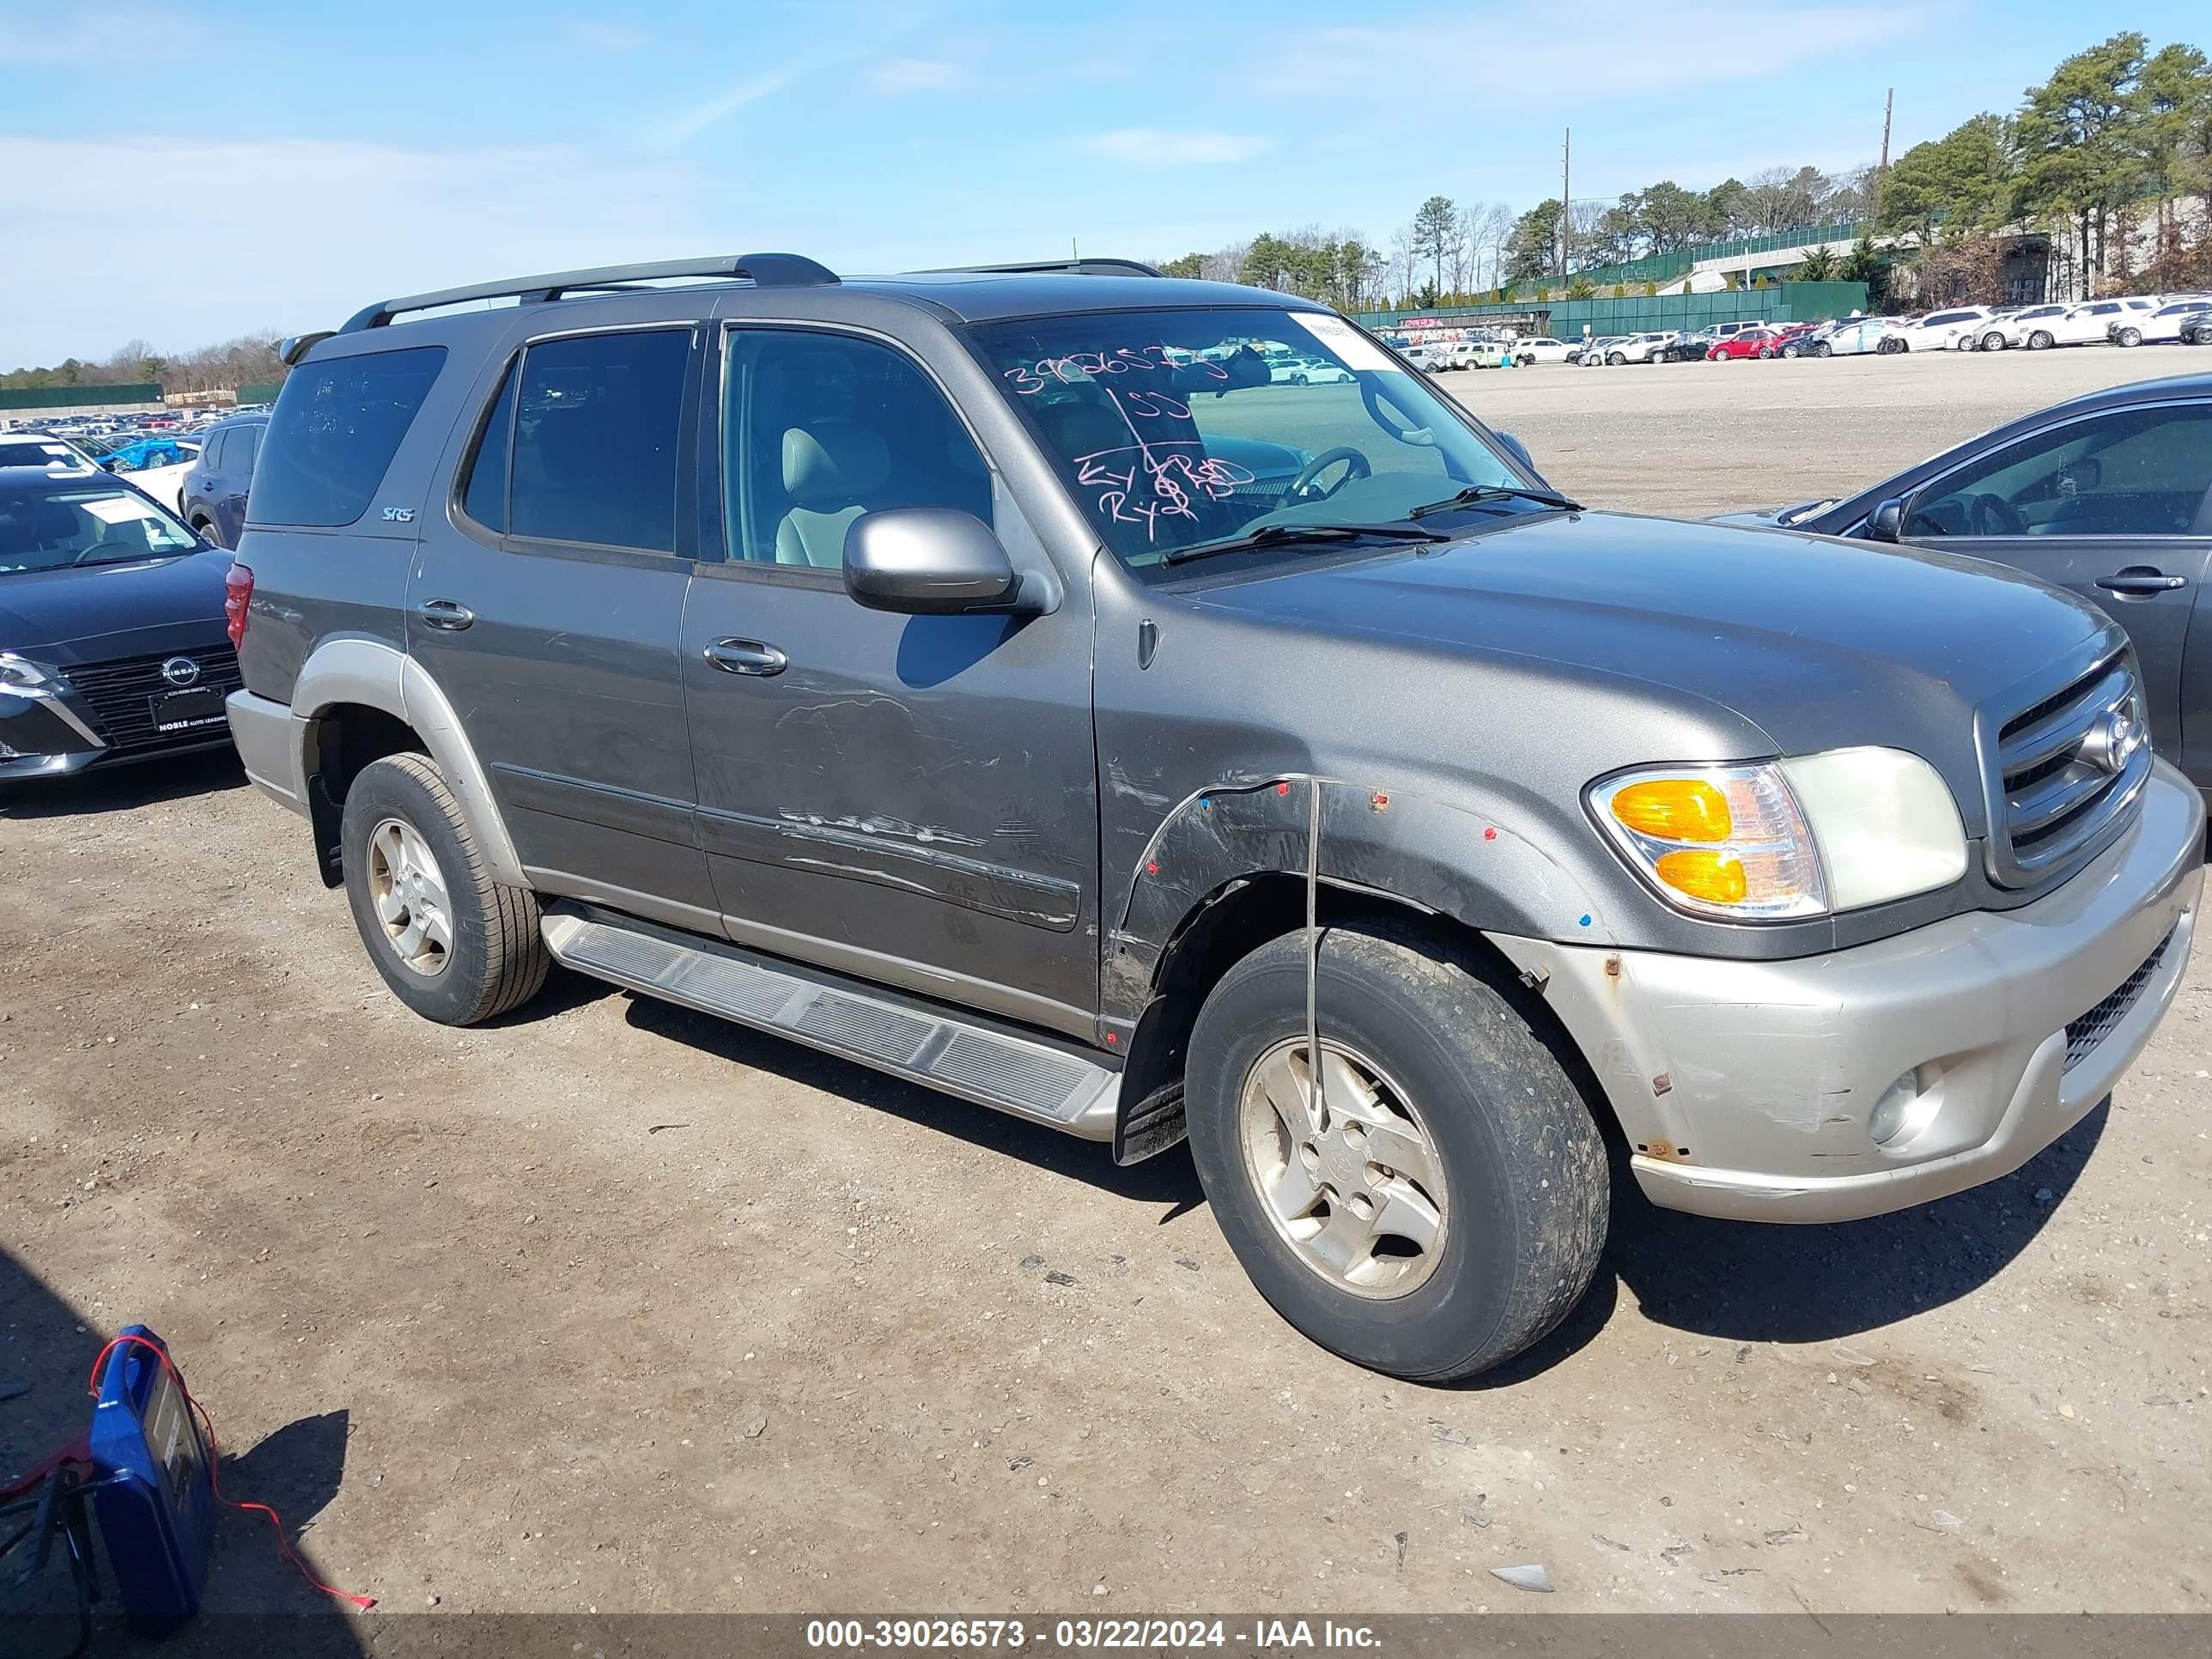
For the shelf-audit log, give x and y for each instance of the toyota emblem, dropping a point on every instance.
(180, 670)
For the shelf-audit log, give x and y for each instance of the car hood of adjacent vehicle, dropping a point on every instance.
(56, 615)
(1821, 643)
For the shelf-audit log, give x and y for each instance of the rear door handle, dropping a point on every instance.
(745, 657)
(449, 614)
(2141, 579)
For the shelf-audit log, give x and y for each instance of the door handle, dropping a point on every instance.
(2141, 579)
(745, 657)
(449, 614)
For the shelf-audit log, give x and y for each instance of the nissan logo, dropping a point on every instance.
(2112, 742)
(180, 670)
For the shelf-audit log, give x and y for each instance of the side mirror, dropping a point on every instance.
(928, 561)
(1887, 522)
(1518, 449)
(111, 464)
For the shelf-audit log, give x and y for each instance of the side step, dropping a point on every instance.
(991, 1067)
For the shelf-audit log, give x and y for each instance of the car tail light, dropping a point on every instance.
(237, 596)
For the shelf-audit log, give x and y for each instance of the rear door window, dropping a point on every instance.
(596, 429)
(337, 426)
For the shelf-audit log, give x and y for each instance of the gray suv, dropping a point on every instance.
(995, 677)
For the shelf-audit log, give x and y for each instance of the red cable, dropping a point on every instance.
(214, 1459)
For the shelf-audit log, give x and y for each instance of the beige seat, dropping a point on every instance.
(831, 471)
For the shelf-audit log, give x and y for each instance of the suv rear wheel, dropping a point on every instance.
(453, 944)
(1448, 1206)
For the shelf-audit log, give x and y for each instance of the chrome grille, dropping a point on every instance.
(121, 696)
(2083, 1035)
(2056, 790)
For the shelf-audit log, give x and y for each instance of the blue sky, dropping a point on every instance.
(328, 155)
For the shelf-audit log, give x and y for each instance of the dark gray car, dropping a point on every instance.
(2108, 495)
(215, 491)
(996, 677)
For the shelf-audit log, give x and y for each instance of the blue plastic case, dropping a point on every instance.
(157, 1515)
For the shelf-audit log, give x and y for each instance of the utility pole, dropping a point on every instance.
(1566, 197)
(1881, 172)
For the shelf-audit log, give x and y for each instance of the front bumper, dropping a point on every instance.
(1746, 1087)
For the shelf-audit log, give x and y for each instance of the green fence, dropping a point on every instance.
(71, 396)
(1785, 302)
(260, 394)
(1673, 264)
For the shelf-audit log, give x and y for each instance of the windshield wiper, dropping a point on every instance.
(1475, 493)
(1275, 535)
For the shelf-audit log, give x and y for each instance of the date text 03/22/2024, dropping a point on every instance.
(1081, 1635)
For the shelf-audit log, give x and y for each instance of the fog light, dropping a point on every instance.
(1895, 1107)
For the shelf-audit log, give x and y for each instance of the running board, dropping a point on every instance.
(991, 1067)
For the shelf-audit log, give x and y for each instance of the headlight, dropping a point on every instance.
(1785, 839)
(19, 674)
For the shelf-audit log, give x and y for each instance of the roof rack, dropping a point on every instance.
(766, 271)
(1032, 267)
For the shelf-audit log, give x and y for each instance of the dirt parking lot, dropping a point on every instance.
(610, 1306)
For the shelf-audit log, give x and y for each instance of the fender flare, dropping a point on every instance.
(1491, 865)
(378, 675)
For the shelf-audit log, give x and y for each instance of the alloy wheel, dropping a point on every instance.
(409, 891)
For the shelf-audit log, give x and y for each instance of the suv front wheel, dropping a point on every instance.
(1442, 1204)
(453, 944)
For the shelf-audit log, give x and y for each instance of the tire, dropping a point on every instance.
(1889, 348)
(1495, 1122)
(1616, 359)
(1791, 351)
(2041, 340)
(494, 960)
(1822, 349)
(1297, 379)
(1992, 341)
(2130, 336)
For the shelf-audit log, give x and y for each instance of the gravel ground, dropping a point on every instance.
(613, 1307)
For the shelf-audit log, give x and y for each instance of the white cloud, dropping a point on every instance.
(1167, 147)
(900, 75)
(691, 123)
(606, 37)
(311, 231)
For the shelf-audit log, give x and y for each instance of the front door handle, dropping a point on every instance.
(746, 657)
(449, 614)
(2141, 579)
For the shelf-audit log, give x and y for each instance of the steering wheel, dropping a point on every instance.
(1355, 466)
(1993, 515)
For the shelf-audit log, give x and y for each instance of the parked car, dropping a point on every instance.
(568, 649)
(1744, 343)
(1687, 348)
(2091, 323)
(1599, 350)
(111, 644)
(1305, 371)
(1940, 330)
(1639, 348)
(215, 491)
(135, 454)
(1788, 341)
(2196, 329)
(2160, 327)
(2029, 324)
(26, 448)
(2108, 495)
(1862, 335)
(1427, 356)
(1541, 349)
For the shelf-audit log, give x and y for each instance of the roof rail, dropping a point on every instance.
(1032, 267)
(766, 269)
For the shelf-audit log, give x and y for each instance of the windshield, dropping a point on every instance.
(15, 451)
(46, 529)
(1172, 428)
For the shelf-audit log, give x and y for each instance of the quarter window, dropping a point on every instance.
(2133, 472)
(819, 428)
(211, 457)
(484, 498)
(595, 439)
(337, 426)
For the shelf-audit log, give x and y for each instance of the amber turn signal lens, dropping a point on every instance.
(1715, 877)
(1674, 809)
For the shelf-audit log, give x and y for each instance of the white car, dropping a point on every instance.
(1598, 350)
(1863, 335)
(2090, 323)
(2160, 327)
(1639, 347)
(1940, 330)
(1541, 349)
(43, 449)
(2005, 332)
(1305, 371)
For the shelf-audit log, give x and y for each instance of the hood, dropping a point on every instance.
(1821, 643)
(71, 616)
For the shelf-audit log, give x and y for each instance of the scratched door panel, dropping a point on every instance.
(911, 798)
